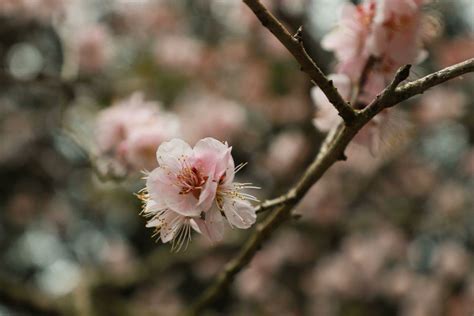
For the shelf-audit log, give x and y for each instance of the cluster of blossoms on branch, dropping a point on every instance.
(194, 189)
(372, 40)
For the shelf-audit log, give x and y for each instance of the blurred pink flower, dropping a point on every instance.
(191, 187)
(349, 40)
(223, 118)
(388, 31)
(455, 51)
(451, 261)
(326, 115)
(130, 131)
(433, 105)
(93, 48)
(33, 9)
(387, 129)
(286, 152)
(181, 53)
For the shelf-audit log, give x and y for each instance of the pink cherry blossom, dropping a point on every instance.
(224, 118)
(179, 52)
(130, 131)
(349, 40)
(192, 188)
(388, 31)
(93, 48)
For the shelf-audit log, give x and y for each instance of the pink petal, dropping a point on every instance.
(161, 185)
(212, 156)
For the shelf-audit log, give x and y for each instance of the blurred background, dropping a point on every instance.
(391, 234)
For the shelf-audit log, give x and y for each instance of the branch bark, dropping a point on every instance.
(294, 45)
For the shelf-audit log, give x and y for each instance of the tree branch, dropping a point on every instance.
(294, 45)
(332, 152)
(419, 86)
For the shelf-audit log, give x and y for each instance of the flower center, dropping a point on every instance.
(191, 181)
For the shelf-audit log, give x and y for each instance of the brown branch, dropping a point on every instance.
(336, 144)
(294, 45)
(421, 85)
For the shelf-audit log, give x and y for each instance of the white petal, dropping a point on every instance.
(210, 144)
(239, 213)
(207, 196)
(213, 156)
(153, 207)
(170, 153)
(213, 226)
(171, 224)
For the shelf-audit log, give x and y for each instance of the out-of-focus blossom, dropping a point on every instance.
(223, 118)
(441, 104)
(286, 152)
(424, 298)
(355, 271)
(455, 51)
(383, 132)
(37, 9)
(93, 48)
(449, 199)
(287, 247)
(140, 18)
(387, 31)
(132, 129)
(180, 53)
(451, 261)
(349, 40)
(326, 115)
(191, 187)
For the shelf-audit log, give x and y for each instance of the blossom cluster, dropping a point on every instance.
(373, 39)
(194, 188)
(129, 132)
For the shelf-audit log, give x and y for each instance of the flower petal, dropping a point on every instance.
(162, 187)
(207, 196)
(239, 213)
(170, 154)
(172, 222)
(212, 156)
(213, 226)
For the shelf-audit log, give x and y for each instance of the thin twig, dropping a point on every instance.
(295, 46)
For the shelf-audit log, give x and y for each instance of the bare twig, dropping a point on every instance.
(296, 48)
